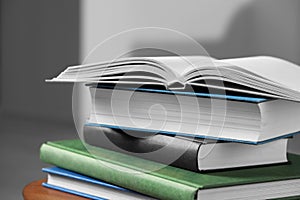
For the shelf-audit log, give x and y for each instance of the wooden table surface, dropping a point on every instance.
(35, 191)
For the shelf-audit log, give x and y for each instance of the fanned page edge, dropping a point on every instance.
(124, 61)
(174, 66)
(259, 64)
(250, 67)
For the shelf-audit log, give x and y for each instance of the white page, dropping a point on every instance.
(182, 64)
(274, 69)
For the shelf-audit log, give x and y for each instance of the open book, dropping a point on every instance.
(262, 75)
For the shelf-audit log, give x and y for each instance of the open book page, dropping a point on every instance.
(268, 75)
(168, 68)
(181, 65)
(133, 69)
(273, 69)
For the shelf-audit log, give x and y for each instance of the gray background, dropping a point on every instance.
(39, 38)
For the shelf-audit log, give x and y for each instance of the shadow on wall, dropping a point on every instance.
(268, 27)
(237, 42)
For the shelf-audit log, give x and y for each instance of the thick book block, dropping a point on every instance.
(251, 120)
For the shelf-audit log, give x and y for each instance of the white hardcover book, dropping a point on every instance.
(253, 121)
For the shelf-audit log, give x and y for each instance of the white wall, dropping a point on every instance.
(206, 21)
(226, 28)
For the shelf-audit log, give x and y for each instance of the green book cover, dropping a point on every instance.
(154, 179)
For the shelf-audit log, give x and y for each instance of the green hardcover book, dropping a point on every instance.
(166, 182)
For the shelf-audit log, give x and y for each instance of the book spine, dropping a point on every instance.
(145, 183)
(176, 85)
(165, 149)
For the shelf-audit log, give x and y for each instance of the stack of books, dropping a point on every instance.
(157, 131)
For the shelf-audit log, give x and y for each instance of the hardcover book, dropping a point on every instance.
(78, 184)
(172, 183)
(190, 154)
(252, 120)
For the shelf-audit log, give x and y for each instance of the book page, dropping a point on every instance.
(277, 70)
(183, 64)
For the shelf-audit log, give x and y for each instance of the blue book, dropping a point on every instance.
(77, 184)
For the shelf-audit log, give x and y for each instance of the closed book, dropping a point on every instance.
(252, 120)
(190, 154)
(78, 184)
(172, 183)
